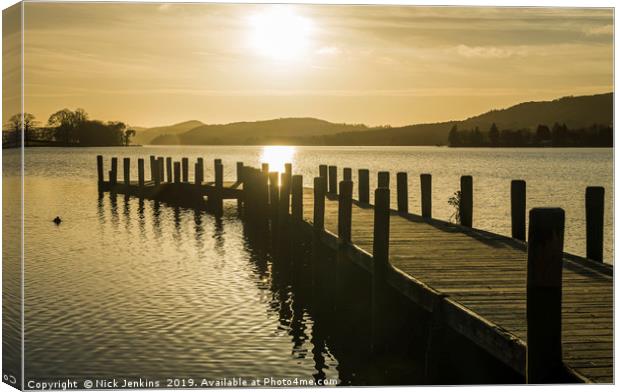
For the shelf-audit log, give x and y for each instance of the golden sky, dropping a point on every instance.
(153, 64)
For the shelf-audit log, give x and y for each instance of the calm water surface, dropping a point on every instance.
(124, 287)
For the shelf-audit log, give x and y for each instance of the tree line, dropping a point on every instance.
(65, 128)
(559, 135)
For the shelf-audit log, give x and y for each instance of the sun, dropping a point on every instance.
(280, 34)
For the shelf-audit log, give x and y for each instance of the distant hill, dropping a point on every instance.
(146, 135)
(282, 130)
(575, 112)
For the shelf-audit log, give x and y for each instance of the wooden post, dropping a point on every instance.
(197, 180)
(126, 167)
(402, 192)
(177, 172)
(595, 213)
(156, 173)
(517, 208)
(273, 195)
(467, 201)
(285, 191)
(113, 171)
(219, 185)
(297, 196)
(199, 171)
(426, 196)
(160, 165)
(333, 180)
(544, 295)
(383, 179)
(323, 172)
(344, 211)
(320, 185)
(152, 166)
(265, 167)
(99, 172)
(346, 174)
(380, 266)
(239, 171)
(141, 173)
(169, 169)
(262, 194)
(363, 186)
(185, 169)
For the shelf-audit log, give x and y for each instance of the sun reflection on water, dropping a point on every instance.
(277, 156)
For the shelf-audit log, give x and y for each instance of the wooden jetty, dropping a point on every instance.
(546, 314)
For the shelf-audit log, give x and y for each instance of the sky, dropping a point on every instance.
(157, 64)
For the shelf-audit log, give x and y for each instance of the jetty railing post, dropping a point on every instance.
(160, 165)
(346, 174)
(265, 167)
(169, 169)
(426, 183)
(332, 180)
(141, 173)
(595, 214)
(113, 171)
(363, 191)
(297, 198)
(383, 179)
(219, 186)
(185, 168)
(285, 191)
(177, 172)
(344, 211)
(544, 295)
(100, 172)
(402, 192)
(126, 167)
(323, 172)
(273, 195)
(517, 208)
(467, 201)
(318, 219)
(380, 266)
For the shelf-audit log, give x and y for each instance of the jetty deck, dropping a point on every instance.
(478, 283)
(481, 279)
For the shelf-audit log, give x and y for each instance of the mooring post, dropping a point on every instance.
(157, 174)
(363, 190)
(126, 167)
(426, 195)
(113, 171)
(197, 180)
(199, 171)
(383, 179)
(346, 174)
(160, 165)
(402, 192)
(246, 175)
(141, 173)
(344, 211)
(332, 180)
(263, 195)
(517, 209)
(273, 195)
(297, 198)
(265, 167)
(467, 201)
(544, 296)
(318, 221)
(169, 169)
(240, 171)
(380, 267)
(288, 169)
(595, 214)
(177, 172)
(323, 172)
(100, 172)
(185, 169)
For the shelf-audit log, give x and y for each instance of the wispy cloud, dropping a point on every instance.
(490, 52)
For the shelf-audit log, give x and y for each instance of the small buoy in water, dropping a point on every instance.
(57, 220)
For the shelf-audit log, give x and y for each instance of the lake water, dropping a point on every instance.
(124, 287)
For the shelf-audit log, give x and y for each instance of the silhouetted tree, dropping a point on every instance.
(66, 124)
(19, 123)
(453, 137)
(129, 133)
(543, 133)
(494, 134)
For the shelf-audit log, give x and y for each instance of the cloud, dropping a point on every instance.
(599, 30)
(492, 52)
(329, 51)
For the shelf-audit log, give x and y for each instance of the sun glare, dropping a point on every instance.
(280, 34)
(277, 156)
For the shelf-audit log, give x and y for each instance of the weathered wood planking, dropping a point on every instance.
(481, 279)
